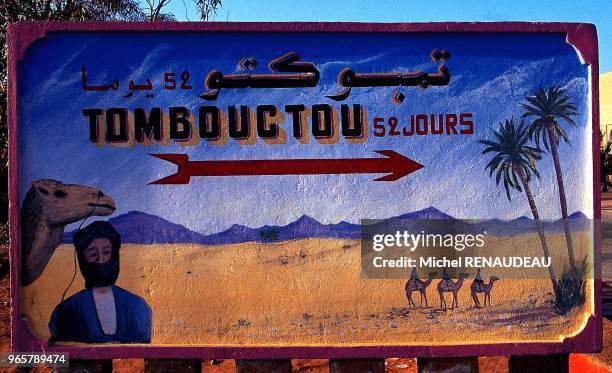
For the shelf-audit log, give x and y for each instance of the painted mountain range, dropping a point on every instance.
(141, 228)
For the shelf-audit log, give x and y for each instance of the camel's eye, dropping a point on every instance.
(60, 194)
(43, 191)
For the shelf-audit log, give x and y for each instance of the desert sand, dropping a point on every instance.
(310, 292)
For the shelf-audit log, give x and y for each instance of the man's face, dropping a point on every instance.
(98, 251)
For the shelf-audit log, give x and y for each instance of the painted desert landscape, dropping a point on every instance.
(309, 291)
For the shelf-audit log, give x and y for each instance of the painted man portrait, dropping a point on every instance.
(102, 312)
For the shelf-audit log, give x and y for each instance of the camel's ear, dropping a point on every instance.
(40, 187)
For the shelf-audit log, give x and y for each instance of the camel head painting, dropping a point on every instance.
(48, 207)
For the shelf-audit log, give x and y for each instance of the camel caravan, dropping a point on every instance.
(446, 285)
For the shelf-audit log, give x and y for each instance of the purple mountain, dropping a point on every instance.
(522, 218)
(141, 228)
(306, 227)
(577, 216)
(428, 213)
(235, 234)
(524, 224)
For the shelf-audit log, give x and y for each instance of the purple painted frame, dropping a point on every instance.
(21, 35)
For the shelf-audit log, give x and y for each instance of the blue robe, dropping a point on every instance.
(76, 319)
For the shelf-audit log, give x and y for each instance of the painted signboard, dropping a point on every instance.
(304, 190)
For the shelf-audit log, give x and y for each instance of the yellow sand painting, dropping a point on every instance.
(310, 292)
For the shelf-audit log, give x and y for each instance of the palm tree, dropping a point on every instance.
(548, 108)
(514, 162)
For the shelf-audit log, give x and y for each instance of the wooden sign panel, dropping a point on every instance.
(274, 190)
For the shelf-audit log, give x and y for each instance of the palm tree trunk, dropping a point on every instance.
(562, 201)
(536, 217)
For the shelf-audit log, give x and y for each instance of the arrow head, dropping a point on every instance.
(398, 165)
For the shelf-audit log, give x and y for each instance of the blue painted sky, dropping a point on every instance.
(491, 75)
(594, 11)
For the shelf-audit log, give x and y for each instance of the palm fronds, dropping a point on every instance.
(512, 155)
(547, 107)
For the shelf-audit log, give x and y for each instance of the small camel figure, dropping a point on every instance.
(420, 286)
(47, 208)
(448, 286)
(481, 287)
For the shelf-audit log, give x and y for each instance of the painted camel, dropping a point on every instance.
(421, 287)
(481, 287)
(449, 286)
(48, 207)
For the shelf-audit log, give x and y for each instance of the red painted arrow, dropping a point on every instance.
(394, 164)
